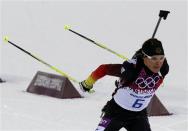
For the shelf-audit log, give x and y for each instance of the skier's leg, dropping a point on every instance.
(139, 124)
(109, 124)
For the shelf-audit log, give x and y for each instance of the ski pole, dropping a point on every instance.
(6, 39)
(66, 27)
(162, 14)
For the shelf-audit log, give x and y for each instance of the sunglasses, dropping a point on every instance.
(155, 57)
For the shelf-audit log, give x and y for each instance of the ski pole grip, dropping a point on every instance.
(163, 14)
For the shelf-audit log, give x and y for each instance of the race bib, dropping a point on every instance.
(128, 99)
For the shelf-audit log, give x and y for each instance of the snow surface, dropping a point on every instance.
(38, 26)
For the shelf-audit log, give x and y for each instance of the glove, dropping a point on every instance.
(85, 87)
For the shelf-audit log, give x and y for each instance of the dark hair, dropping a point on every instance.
(152, 47)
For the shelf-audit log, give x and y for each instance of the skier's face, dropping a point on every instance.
(154, 63)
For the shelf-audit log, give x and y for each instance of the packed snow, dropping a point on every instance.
(38, 27)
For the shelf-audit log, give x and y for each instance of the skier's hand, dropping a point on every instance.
(85, 87)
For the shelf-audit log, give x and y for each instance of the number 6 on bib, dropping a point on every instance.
(138, 103)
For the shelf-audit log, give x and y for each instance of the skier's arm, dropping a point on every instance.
(101, 71)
